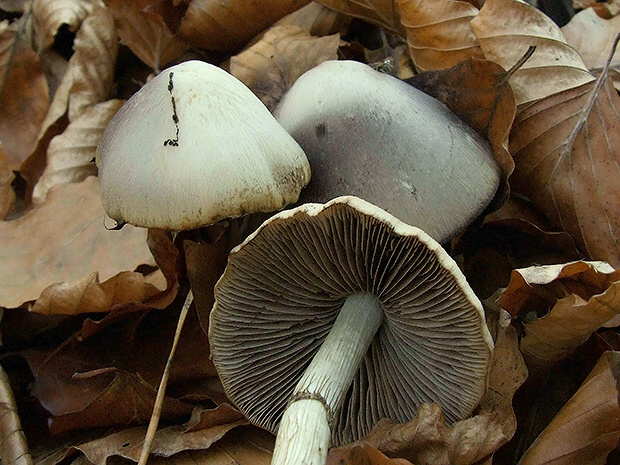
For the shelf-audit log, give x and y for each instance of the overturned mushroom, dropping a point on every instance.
(195, 146)
(331, 317)
(372, 135)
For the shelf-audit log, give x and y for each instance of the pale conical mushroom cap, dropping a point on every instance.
(192, 147)
(374, 136)
(282, 291)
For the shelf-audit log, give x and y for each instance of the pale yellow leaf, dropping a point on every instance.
(145, 33)
(439, 34)
(505, 29)
(70, 155)
(271, 66)
(49, 15)
(64, 240)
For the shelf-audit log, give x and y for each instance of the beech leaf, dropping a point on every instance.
(24, 96)
(70, 154)
(382, 12)
(7, 195)
(505, 29)
(64, 240)
(567, 160)
(145, 33)
(562, 305)
(273, 64)
(439, 33)
(587, 428)
(49, 15)
(227, 26)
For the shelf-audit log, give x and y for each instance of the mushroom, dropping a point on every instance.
(195, 146)
(331, 317)
(372, 135)
(192, 147)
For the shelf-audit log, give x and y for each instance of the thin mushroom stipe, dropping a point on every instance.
(331, 317)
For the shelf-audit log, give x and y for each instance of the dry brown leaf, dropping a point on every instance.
(13, 446)
(561, 306)
(49, 15)
(24, 96)
(87, 81)
(505, 29)
(439, 34)
(145, 33)
(382, 12)
(317, 19)
(168, 440)
(70, 154)
(361, 455)
(272, 65)
(593, 37)
(64, 240)
(567, 151)
(228, 25)
(478, 92)
(588, 426)
(7, 195)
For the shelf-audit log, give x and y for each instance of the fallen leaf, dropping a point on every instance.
(439, 34)
(566, 150)
(382, 12)
(7, 195)
(64, 240)
(317, 19)
(505, 29)
(227, 26)
(477, 91)
(13, 445)
(593, 37)
(272, 65)
(70, 154)
(146, 34)
(49, 15)
(88, 80)
(588, 426)
(560, 306)
(24, 96)
(361, 455)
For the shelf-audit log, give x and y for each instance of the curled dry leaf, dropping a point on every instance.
(505, 29)
(273, 64)
(145, 33)
(382, 12)
(571, 301)
(317, 19)
(49, 15)
(439, 34)
(7, 195)
(361, 455)
(13, 446)
(593, 37)
(227, 26)
(478, 92)
(64, 240)
(70, 154)
(168, 440)
(88, 80)
(567, 151)
(588, 426)
(24, 96)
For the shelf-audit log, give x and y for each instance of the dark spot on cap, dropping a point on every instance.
(320, 130)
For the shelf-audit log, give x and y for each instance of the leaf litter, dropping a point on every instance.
(104, 318)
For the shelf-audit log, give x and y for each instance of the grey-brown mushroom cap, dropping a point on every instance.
(284, 286)
(374, 136)
(195, 146)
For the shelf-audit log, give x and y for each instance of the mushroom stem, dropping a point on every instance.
(305, 429)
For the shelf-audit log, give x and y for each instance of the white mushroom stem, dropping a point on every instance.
(304, 433)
